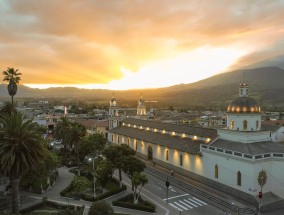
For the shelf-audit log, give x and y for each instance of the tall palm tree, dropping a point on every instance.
(21, 149)
(12, 76)
(62, 131)
(77, 132)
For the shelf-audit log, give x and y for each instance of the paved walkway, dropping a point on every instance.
(65, 178)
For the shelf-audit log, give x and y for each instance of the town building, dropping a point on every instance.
(230, 158)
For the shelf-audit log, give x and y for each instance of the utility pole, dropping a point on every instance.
(167, 185)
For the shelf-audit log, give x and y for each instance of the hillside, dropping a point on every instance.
(266, 86)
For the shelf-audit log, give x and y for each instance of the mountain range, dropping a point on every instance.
(266, 85)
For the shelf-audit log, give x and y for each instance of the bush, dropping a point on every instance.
(52, 205)
(127, 202)
(100, 208)
(91, 198)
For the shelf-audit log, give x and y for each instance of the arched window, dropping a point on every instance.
(257, 124)
(245, 125)
(232, 124)
(167, 155)
(216, 171)
(180, 160)
(239, 179)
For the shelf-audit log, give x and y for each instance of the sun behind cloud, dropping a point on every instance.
(192, 65)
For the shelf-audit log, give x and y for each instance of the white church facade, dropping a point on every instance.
(229, 159)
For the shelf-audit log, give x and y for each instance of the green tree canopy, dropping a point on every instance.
(138, 180)
(116, 154)
(104, 171)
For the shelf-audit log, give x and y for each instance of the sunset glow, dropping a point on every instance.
(137, 44)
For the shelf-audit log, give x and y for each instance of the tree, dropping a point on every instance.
(12, 76)
(138, 180)
(101, 208)
(93, 145)
(132, 164)
(7, 107)
(104, 171)
(62, 131)
(262, 178)
(21, 149)
(116, 155)
(76, 133)
(43, 171)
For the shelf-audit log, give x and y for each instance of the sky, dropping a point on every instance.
(126, 44)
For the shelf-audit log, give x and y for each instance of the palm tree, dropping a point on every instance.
(62, 131)
(12, 76)
(77, 132)
(21, 149)
(6, 107)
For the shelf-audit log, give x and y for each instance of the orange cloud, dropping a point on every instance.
(81, 42)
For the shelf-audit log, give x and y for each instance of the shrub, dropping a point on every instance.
(127, 202)
(105, 195)
(100, 208)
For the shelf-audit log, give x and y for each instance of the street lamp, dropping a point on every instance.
(94, 175)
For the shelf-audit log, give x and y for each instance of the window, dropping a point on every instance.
(245, 125)
(135, 143)
(117, 139)
(180, 160)
(128, 141)
(232, 124)
(216, 171)
(111, 138)
(257, 124)
(239, 179)
(167, 155)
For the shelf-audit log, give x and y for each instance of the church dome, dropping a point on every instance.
(244, 105)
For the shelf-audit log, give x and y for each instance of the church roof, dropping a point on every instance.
(249, 148)
(166, 140)
(179, 128)
(244, 105)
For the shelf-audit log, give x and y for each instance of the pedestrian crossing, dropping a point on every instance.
(186, 203)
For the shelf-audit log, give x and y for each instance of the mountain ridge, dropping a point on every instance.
(266, 86)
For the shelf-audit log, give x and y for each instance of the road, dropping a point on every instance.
(179, 200)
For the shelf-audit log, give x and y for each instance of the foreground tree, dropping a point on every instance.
(62, 131)
(92, 145)
(104, 172)
(12, 76)
(138, 180)
(6, 107)
(101, 208)
(76, 133)
(117, 154)
(21, 149)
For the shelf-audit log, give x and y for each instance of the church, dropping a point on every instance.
(241, 158)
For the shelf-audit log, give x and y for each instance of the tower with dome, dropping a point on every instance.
(141, 109)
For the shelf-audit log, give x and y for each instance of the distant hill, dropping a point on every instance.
(266, 86)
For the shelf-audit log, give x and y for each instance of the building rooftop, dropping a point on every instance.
(166, 140)
(179, 128)
(254, 148)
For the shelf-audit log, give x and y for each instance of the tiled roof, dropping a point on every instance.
(174, 142)
(179, 128)
(249, 148)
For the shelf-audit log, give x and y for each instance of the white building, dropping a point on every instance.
(229, 159)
